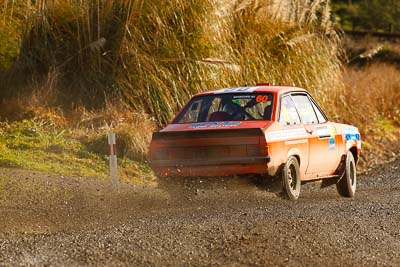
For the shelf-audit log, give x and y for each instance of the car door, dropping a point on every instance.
(328, 135)
(292, 134)
(321, 136)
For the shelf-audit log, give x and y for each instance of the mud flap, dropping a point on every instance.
(339, 173)
(329, 181)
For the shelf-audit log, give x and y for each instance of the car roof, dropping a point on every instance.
(255, 89)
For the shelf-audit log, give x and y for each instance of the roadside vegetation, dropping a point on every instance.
(368, 15)
(371, 100)
(154, 57)
(75, 70)
(370, 50)
(44, 143)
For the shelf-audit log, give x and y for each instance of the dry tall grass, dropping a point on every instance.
(156, 56)
(132, 129)
(373, 91)
(371, 100)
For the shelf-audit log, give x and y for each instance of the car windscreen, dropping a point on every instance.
(227, 107)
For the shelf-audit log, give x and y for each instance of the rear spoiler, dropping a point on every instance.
(208, 133)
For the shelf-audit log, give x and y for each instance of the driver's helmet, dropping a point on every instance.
(228, 108)
(230, 105)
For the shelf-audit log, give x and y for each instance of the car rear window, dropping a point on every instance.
(227, 107)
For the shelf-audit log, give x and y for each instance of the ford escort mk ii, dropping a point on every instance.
(273, 131)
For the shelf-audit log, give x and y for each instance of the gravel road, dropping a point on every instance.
(56, 220)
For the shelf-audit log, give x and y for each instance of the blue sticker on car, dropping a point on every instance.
(351, 133)
(332, 143)
(350, 137)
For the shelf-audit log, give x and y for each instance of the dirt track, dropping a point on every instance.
(53, 220)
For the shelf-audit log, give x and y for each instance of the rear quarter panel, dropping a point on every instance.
(285, 141)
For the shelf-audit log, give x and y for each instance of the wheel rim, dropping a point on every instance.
(352, 175)
(292, 177)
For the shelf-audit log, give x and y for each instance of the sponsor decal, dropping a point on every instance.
(326, 131)
(323, 132)
(332, 143)
(236, 90)
(350, 137)
(215, 124)
(244, 96)
(295, 142)
(287, 134)
(351, 133)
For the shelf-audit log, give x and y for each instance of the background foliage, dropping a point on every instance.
(373, 15)
(153, 57)
(130, 65)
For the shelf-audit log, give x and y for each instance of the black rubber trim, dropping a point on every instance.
(208, 133)
(207, 162)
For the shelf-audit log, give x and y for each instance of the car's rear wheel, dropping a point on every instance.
(291, 179)
(346, 186)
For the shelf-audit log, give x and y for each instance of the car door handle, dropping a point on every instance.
(310, 131)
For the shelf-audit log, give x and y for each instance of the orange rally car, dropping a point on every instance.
(259, 130)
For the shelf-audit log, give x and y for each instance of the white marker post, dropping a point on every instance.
(113, 158)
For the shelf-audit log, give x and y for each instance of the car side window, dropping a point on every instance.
(320, 116)
(193, 112)
(215, 106)
(288, 114)
(305, 108)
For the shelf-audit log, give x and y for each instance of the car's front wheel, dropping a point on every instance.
(291, 179)
(346, 186)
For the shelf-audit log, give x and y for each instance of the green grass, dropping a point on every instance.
(32, 146)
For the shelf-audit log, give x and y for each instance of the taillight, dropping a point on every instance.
(256, 150)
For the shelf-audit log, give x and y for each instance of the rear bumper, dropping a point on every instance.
(213, 167)
(212, 170)
(208, 162)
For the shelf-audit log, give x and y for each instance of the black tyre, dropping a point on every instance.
(291, 179)
(346, 186)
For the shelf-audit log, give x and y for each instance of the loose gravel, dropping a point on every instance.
(71, 221)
